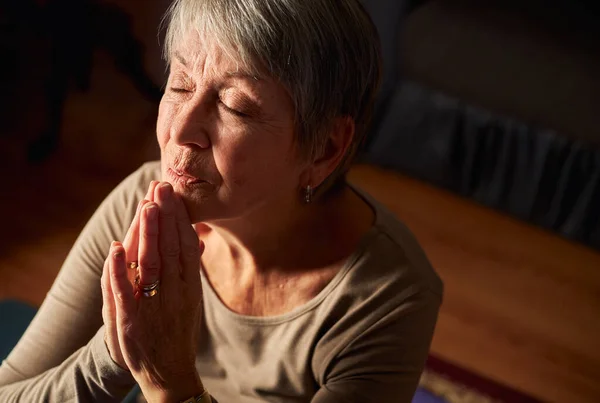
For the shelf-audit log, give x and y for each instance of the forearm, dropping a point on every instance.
(87, 375)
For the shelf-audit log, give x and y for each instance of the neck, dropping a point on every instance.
(302, 237)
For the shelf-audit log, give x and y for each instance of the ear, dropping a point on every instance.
(338, 143)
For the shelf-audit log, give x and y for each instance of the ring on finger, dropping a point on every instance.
(149, 294)
(147, 287)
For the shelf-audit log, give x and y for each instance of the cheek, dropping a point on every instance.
(163, 122)
(258, 166)
(234, 161)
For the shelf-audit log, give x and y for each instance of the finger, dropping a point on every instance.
(109, 314)
(123, 297)
(151, 188)
(108, 302)
(168, 237)
(132, 238)
(191, 247)
(149, 258)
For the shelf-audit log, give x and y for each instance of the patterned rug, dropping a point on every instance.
(442, 382)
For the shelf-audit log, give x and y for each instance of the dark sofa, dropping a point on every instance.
(498, 102)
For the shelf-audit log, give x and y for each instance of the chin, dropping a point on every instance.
(199, 207)
(200, 199)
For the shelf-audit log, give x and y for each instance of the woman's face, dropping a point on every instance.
(226, 137)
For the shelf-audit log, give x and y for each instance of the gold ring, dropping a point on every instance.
(147, 287)
(150, 294)
(132, 265)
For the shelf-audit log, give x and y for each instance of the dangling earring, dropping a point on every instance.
(308, 194)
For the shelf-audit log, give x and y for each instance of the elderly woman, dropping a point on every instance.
(252, 271)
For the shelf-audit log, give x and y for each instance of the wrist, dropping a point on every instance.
(174, 392)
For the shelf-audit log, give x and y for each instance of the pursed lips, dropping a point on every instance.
(184, 178)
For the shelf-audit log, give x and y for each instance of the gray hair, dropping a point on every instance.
(325, 53)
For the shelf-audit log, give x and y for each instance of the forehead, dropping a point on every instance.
(208, 55)
(208, 58)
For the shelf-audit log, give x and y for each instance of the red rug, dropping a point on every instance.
(443, 382)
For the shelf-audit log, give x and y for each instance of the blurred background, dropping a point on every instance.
(486, 142)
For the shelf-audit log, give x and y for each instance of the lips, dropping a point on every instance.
(182, 177)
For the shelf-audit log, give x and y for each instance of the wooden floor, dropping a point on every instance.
(521, 306)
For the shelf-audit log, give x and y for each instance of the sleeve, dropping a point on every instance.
(384, 362)
(72, 310)
(88, 375)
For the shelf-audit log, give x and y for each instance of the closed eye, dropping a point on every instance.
(180, 90)
(233, 111)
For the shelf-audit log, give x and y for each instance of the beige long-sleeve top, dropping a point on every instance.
(363, 338)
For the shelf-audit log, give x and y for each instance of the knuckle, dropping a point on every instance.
(105, 283)
(167, 212)
(149, 263)
(190, 254)
(169, 250)
(129, 331)
(190, 233)
(189, 238)
(152, 273)
(149, 235)
(120, 296)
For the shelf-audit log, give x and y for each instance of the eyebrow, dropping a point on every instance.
(243, 74)
(180, 59)
(232, 74)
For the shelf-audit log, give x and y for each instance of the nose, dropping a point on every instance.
(190, 126)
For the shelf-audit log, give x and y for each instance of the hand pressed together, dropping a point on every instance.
(156, 337)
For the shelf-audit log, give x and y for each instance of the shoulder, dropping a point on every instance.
(387, 300)
(399, 255)
(391, 260)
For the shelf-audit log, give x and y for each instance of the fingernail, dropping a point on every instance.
(166, 186)
(152, 211)
(117, 249)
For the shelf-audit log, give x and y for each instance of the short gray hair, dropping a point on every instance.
(325, 52)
